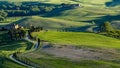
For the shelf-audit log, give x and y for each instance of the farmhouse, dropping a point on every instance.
(75, 5)
(12, 26)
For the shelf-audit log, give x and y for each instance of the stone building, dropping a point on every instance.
(12, 26)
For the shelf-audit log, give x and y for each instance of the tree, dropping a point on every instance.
(48, 9)
(34, 10)
(93, 22)
(108, 27)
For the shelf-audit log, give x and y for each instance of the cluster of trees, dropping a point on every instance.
(106, 27)
(15, 34)
(25, 8)
(34, 29)
(109, 30)
(32, 10)
(29, 8)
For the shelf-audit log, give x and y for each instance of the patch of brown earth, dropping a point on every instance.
(75, 53)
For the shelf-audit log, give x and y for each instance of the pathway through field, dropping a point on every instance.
(21, 63)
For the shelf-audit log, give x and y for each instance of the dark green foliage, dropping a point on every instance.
(16, 34)
(48, 9)
(30, 8)
(109, 30)
(34, 29)
(25, 8)
(106, 27)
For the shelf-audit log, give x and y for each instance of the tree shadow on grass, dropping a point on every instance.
(56, 12)
(103, 19)
(113, 3)
(78, 29)
(13, 45)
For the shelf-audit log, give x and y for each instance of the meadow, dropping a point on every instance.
(86, 14)
(7, 49)
(89, 16)
(79, 39)
(65, 63)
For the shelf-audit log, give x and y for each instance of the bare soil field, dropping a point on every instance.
(76, 53)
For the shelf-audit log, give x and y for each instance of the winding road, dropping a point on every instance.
(21, 63)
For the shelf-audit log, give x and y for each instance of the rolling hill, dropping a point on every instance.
(91, 15)
(84, 41)
(79, 39)
(50, 23)
(83, 2)
(7, 49)
(100, 3)
(108, 3)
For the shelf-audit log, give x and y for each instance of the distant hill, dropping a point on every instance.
(83, 2)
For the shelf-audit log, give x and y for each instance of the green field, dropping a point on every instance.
(75, 39)
(9, 47)
(50, 23)
(92, 14)
(65, 63)
(79, 39)
(93, 11)
(86, 14)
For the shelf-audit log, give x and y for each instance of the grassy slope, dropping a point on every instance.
(77, 16)
(95, 12)
(85, 14)
(10, 48)
(9, 20)
(73, 38)
(80, 15)
(7, 49)
(50, 23)
(68, 1)
(63, 63)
